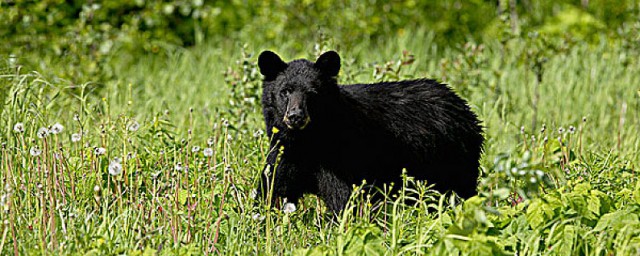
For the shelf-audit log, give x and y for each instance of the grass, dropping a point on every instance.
(558, 190)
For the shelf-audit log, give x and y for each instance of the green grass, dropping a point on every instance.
(172, 199)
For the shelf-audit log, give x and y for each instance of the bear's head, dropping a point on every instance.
(297, 90)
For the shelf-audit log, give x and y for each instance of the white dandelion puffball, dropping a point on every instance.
(289, 208)
(100, 151)
(195, 149)
(56, 128)
(76, 137)
(35, 151)
(43, 132)
(115, 168)
(134, 126)
(208, 152)
(19, 128)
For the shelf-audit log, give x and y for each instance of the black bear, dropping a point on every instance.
(326, 137)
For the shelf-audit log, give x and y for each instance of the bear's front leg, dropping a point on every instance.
(286, 175)
(333, 190)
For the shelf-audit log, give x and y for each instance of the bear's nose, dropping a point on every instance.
(295, 115)
(296, 119)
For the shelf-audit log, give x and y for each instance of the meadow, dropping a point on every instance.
(163, 156)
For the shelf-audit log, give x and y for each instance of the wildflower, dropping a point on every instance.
(539, 173)
(195, 149)
(43, 133)
(76, 137)
(207, 152)
(289, 208)
(210, 142)
(131, 155)
(258, 133)
(178, 166)
(35, 151)
(76, 117)
(533, 180)
(521, 129)
(522, 172)
(96, 188)
(115, 167)
(134, 126)
(257, 217)
(99, 151)
(19, 128)
(560, 130)
(572, 129)
(584, 119)
(225, 122)
(56, 128)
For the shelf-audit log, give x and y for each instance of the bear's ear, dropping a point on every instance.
(328, 63)
(270, 65)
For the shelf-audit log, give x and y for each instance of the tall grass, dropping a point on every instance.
(183, 147)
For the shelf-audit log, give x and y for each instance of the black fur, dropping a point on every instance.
(333, 136)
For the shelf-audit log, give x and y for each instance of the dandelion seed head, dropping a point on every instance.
(572, 129)
(76, 137)
(539, 173)
(133, 126)
(96, 188)
(289, 208)
(131, 155)
(76, 117)
(210, 142)
(521, 129)
(258, 133)
(533, 180)
(257, 217)
(19, 128)
(207, 152)
(195, 149)
(43, 132)
(115, 167)
(35, 151)
(178, 166)
(56, 128)
(560, 130)
(98, 151)
(225, 122)
(522, 173)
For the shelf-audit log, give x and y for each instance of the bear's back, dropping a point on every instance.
(415, 112)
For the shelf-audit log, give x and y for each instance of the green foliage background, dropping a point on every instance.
(555, 82)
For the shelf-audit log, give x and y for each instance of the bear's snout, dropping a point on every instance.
(296, 119)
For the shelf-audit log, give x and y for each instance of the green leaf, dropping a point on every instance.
(617, 221)
(182, 197)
